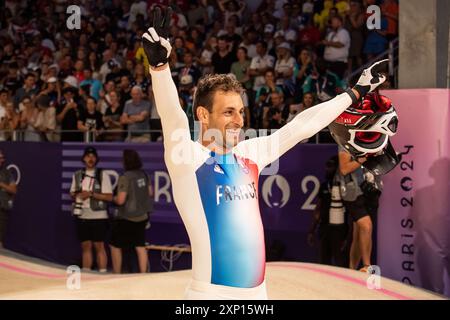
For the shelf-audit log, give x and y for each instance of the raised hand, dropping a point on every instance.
(155, 40)
(371, 78)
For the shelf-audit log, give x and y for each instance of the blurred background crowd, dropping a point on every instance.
(92, 83)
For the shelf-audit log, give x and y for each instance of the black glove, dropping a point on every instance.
(155, 40)
(371, 78)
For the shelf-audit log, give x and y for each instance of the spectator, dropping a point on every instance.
(376, 41)
(46, 120)
(115, 73)
(260, 64)
(52, 90)
(285, 68)
(241, 68)
(276, 103)
(305, 68)
(196, 14)
(289, 34)
(91, 190)
(256, 23)
(298, 18)
(390, 8)
(9, 121)
(249, 42)
(333, 12)
(95, 85)
(135, 116)
(231, 7)
(13, 80)
(140, 79)
(94, 63)
(124, 90)
(186, 93)
(67, 115)
(310, 35)
(329, 216)
(337, 44)
(28, 120)
(111, 118)
(322, 82)
(354, 23)
(91, 121)
(224, 57)
(189, 68)
(263, 94)
(278, 38)
(102, 103)
(134, 193)
(207, 53)
(274, 120)
(363, 190)
(267, 37)
(78, 72)
(179, 47)
(8, 190)
(308, 7)
(29, 89)
(104, 69)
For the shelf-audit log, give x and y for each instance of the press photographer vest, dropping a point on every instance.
(137, 203)
(96, 205)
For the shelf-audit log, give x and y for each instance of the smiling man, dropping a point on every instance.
(215, 179)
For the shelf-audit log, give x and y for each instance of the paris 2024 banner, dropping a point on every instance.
(414, 215)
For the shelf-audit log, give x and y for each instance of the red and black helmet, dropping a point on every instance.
(364, 130)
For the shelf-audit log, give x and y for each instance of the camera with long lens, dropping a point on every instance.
(77, 207)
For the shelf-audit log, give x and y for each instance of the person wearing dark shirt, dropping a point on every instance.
(112, 118)
(124, 90)
(329, 217)
(91, 121)
(189, 68)
(274, 119)
(67, 115)
(224, 57)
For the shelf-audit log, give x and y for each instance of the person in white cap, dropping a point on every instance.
(268, 35)
(284, 68)
(52, 89)
(70, 81)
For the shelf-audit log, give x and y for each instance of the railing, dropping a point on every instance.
(391, 53)
(90, 136)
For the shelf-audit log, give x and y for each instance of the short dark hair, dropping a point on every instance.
(223, 38)
(131, 160)
(244, 49)
(209, 85)
(339, 18)
(263, 43)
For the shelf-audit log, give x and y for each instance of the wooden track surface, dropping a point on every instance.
(27, 278)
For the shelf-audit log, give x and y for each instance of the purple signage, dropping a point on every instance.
(41, 224)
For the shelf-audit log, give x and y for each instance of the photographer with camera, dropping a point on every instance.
(360, 191)
(91, 190)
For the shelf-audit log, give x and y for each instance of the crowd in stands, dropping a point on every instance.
(61, 84)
